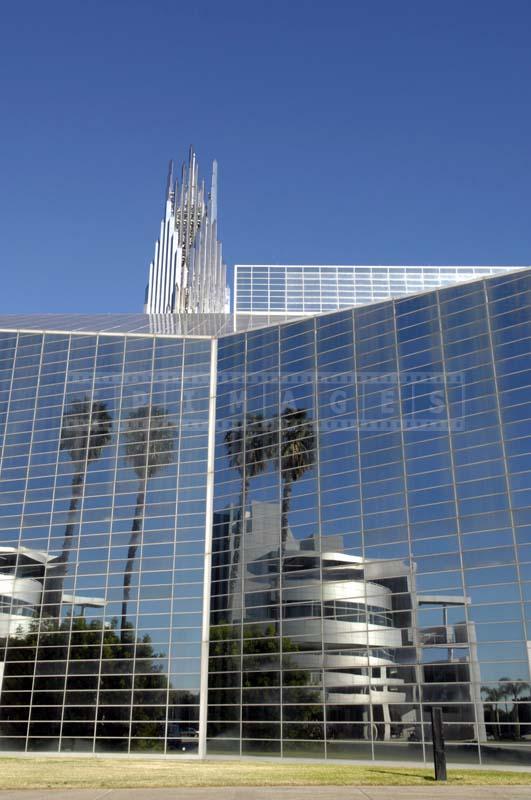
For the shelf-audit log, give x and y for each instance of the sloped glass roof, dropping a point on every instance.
(193, 325)
(208, 326)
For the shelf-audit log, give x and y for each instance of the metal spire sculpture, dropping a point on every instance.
(187, 273)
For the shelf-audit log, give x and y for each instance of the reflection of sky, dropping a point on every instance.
(376, 486)
(169, 564)
(387, 489)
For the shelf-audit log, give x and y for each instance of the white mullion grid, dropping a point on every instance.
(110, 332)
(412, 571)
(8, 405)
(316, 400)
(58, 455)
(30, 709)
(281, 555)
(362, 518)
(139, 556)
(207, 567)
(506, 470)
(252, 282)
(243, 526)
(177, 489)
(78, 548)
(8, 408)
(117, 423)
(457, 514)
(55, 476)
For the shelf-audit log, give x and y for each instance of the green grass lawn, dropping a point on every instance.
(108, 773)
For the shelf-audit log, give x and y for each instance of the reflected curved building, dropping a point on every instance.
(257, 535)
(21, 579)
(355, 624)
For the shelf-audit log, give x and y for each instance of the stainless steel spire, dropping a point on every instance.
(187, 273)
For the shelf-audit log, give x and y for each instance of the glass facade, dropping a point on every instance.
(289, 289)
(102, 548)
(287, 541)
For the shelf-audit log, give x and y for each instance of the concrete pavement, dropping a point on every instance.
(431, 792)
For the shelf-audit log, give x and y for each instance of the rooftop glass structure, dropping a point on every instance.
(284, 540)
(287, 289)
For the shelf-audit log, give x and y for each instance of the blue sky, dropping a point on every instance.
(346, 132)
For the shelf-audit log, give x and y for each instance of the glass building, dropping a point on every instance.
(268, 537)
(290, 289)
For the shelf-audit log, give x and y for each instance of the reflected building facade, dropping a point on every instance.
(287, 538)
(355, 623)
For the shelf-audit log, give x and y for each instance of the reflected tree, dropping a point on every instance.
(296, 457)
(149, 445)
(512, 690)
(492, 696)
(242, 671)
(85, 431)
(53, 673)
(249, 446)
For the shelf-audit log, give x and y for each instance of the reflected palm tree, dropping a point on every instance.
(493, 695)
(149, 444)
(85, 431)
(512, 690)
(296, 457)
(249, 446)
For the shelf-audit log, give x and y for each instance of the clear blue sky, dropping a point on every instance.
(360, 131)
